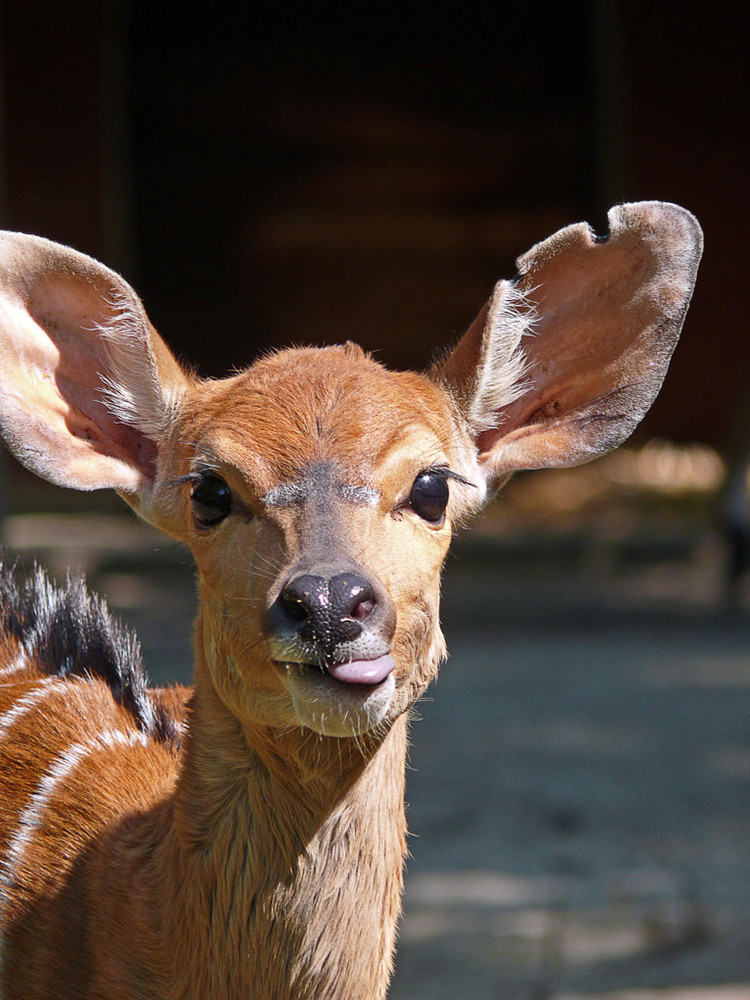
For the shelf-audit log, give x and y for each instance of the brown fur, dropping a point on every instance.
(264, 858)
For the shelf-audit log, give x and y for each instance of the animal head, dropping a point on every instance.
(316, 489)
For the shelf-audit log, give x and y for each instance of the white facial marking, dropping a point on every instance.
(285, 495)
(364, 496)
(288, 494)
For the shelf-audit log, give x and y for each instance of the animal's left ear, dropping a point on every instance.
(561, 365)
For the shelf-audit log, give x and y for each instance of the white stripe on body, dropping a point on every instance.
(19, 663)
(32, 817)
(45, 686)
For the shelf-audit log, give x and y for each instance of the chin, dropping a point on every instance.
(334, 708)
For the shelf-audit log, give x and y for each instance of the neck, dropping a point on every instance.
(286, 855)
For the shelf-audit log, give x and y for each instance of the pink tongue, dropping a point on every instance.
(363, 671)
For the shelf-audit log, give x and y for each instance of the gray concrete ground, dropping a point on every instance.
(579, 793)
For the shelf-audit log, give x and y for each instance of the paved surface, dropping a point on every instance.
(580, 798)
(580, 784)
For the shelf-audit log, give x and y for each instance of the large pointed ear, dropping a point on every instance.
(561, 364)
(87, 387)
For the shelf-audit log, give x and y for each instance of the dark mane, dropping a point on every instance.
(70, 632)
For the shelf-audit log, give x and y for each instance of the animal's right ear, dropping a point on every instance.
(87, 386)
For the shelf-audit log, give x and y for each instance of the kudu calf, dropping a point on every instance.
(246, 840)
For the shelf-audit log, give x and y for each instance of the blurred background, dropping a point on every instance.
(298, 173)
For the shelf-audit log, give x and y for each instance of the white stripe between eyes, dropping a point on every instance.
(290, 493)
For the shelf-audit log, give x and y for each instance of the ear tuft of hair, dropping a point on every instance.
(489, 366)
(70, 632)
(148, 408)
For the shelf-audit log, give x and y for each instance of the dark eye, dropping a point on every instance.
(211, 499)
(429, 496)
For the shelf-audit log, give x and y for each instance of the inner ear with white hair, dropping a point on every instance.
(562, 363)
(87, 386)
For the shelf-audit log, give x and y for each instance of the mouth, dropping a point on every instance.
(350, 673)
(343, 699)
(367, 673)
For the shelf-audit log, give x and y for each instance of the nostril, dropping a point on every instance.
(328, 611)
(295, 608)
(353, 597)
(301, 597)
(362, 611)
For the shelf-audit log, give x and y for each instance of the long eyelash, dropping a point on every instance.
(238, 507)
(192, 477)
(446, 473)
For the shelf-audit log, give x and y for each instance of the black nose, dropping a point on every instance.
(328, 611)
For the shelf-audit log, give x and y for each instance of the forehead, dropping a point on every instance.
(332, 405)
